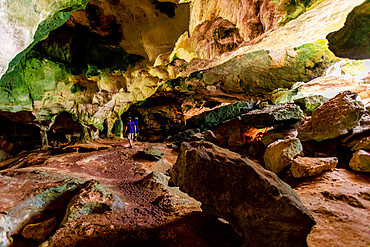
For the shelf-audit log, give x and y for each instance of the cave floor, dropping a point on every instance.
(339, 199)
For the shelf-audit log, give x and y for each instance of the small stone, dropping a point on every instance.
(280, 153)
(360, 161)
(309, 167)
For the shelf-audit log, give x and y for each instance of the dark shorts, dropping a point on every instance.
(131, 136)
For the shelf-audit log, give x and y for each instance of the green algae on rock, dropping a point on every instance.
(28, 22)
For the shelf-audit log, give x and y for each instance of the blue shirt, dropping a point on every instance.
(137, 126)
(131, 127)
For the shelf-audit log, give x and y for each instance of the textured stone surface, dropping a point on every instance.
(276, 134)
(23, 212)
(273, 115)
(339, 201)
(308, 28)
(24, 23)
(211, 119)
(309, 167)
(345, 75)
(262, 71)
(334, 118)
(238, 190)
(101, 198)
(310, 103)
(352, 40)
(360, 161)
(40, 231)
(363, 144)
(280, 153)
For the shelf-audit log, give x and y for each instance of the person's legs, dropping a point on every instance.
(130, 139)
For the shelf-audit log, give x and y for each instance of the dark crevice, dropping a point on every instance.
(166, 8)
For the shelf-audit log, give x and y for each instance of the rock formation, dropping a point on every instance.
(281, 153)
(238, 190)
(308, 167)
(283, 83)
(334, 118)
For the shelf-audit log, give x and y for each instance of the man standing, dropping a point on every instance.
(131, 126)
(136, 121)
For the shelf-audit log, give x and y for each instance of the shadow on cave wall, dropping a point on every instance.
(17, 133)
(64, 130)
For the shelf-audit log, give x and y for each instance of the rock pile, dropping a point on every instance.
(239, 191)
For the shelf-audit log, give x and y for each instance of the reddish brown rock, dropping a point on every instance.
(334, 118)
(339, 201)
(239, 191)
(309, 167)
(40, 231)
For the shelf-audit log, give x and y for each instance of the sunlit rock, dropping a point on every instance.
(24, 23)
(331, 199)
(345, 75)
(334, 118)
(281, 153)
(309, 167)
(360, 161)
(310, 103)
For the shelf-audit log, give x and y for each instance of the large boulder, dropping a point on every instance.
(280, 153)
(360, 161)
(334, 118)
(352, 41)
(211, 119)
(311, 166)
(239, 190)
(273, 115)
